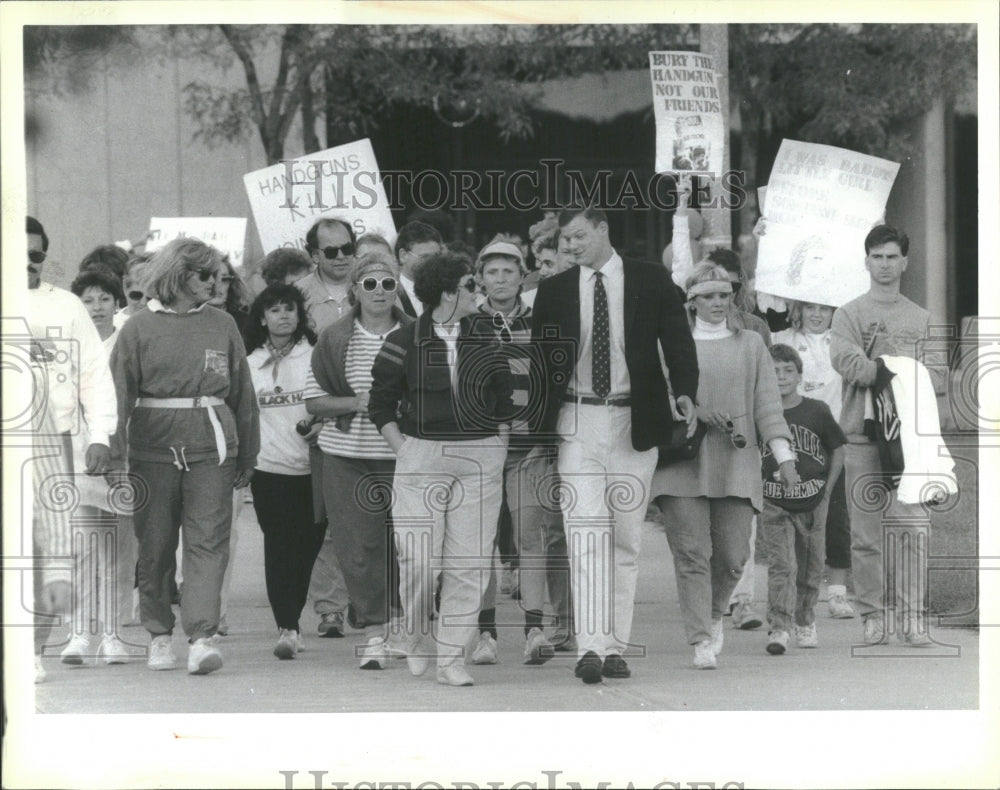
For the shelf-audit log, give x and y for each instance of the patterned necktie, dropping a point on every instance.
(601, 351)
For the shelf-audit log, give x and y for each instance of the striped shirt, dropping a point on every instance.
(362, 439)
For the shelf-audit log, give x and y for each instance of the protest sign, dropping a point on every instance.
(226, 234)
(690, 132)
(342, 182)
(821, 203)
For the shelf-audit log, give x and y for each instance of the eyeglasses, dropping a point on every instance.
(371, 283)
(36, 256)
(469, 285)
(205, 275)
(501, 324)
(738, 439)
(136, 296)
(331, 253)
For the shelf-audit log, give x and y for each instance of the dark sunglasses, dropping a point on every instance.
(501, 324)
(738, 439)
(330, 253)
(371, 283)
(135, 296)
(205, 275)
(36, 256)
(469, 285)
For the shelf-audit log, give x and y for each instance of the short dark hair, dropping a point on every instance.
(109, 256)
(462, 248)
(99, 278)
(255, 334)
(440, 273)
(781, 352)
(35, 229)
(438, 219)
(885, 234)
(312, 235)
(277, 264)
(416, 232)
(591, 213)
(727, 259)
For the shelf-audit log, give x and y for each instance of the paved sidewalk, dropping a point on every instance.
(839, 675)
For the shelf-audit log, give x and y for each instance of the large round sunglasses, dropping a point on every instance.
(331, 253)
(371, 283)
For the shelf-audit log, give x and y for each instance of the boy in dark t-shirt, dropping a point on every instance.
(794, 523)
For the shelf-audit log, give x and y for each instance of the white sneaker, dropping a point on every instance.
(375, 655)
(704, 655)
(777, 642)
(485, 651)
(838, 604)
(806, 636)
(74, 653)
(287, 645)
(454, 675)
(161, 653)
(718, 637)
(113, 650)
(203, 657)
(744, 616)
(40, 673)
(537, 649)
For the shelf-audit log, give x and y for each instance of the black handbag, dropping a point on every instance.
(681, 446)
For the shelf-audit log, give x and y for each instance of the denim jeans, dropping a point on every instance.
(795, 552)
(710, 541)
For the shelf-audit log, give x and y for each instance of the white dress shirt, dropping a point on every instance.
(613, 273)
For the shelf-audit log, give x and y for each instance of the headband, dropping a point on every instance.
(710, 287)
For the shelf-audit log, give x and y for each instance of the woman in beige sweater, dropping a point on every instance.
(708, 502)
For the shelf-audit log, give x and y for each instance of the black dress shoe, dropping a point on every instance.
(615, 667)
(588, 668)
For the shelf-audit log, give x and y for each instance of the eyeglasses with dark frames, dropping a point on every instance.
(469, 285)
(502, 325)
(738, 439)
(333, 252)
(369, 284)
(136, 296)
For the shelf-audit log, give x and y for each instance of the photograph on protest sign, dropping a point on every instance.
(690, 131)
(226, 234)
(343, 182)
(821, 201)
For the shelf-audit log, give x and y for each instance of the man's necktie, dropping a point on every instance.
(601, 351)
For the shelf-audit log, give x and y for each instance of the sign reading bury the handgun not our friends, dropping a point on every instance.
(820, 203)
(343, 182)
(226, 234)
(690, 131)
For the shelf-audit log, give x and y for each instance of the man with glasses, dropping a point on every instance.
(73, 427)
(330, 244)
(415, 242)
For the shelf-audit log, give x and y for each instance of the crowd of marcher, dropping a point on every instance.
(424, 427)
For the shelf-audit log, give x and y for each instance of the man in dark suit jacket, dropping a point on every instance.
(597, 328)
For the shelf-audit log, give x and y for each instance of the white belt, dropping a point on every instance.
(198, 402)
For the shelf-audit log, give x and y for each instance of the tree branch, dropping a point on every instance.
(256, 97)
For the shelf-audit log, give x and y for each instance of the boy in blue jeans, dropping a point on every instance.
(794, 524)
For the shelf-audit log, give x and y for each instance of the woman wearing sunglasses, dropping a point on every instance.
(441, 397)
(357, 463)
(187, 418)
(708, 502)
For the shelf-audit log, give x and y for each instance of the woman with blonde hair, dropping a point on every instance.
(708, 502)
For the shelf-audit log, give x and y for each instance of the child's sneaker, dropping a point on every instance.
(744, 617)
(838, 604)
(777, 642)
(161, 653)
(203, 657)
(806, 636)
(485, 651)
(537, 649)
(113, 650)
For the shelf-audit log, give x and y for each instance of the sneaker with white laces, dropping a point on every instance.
(777, 642)
(485, 651)
(113, 650)
(454, 674)
(287, 645)
(537, 649)
(40, 673)
(74, 653)
(838, 604)
(203, 657)
(806, 636)
(375, 654)
(744, 616)
(331, 625)
(874, 630)
(704, 655)
(161, 653)
(718, 637)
